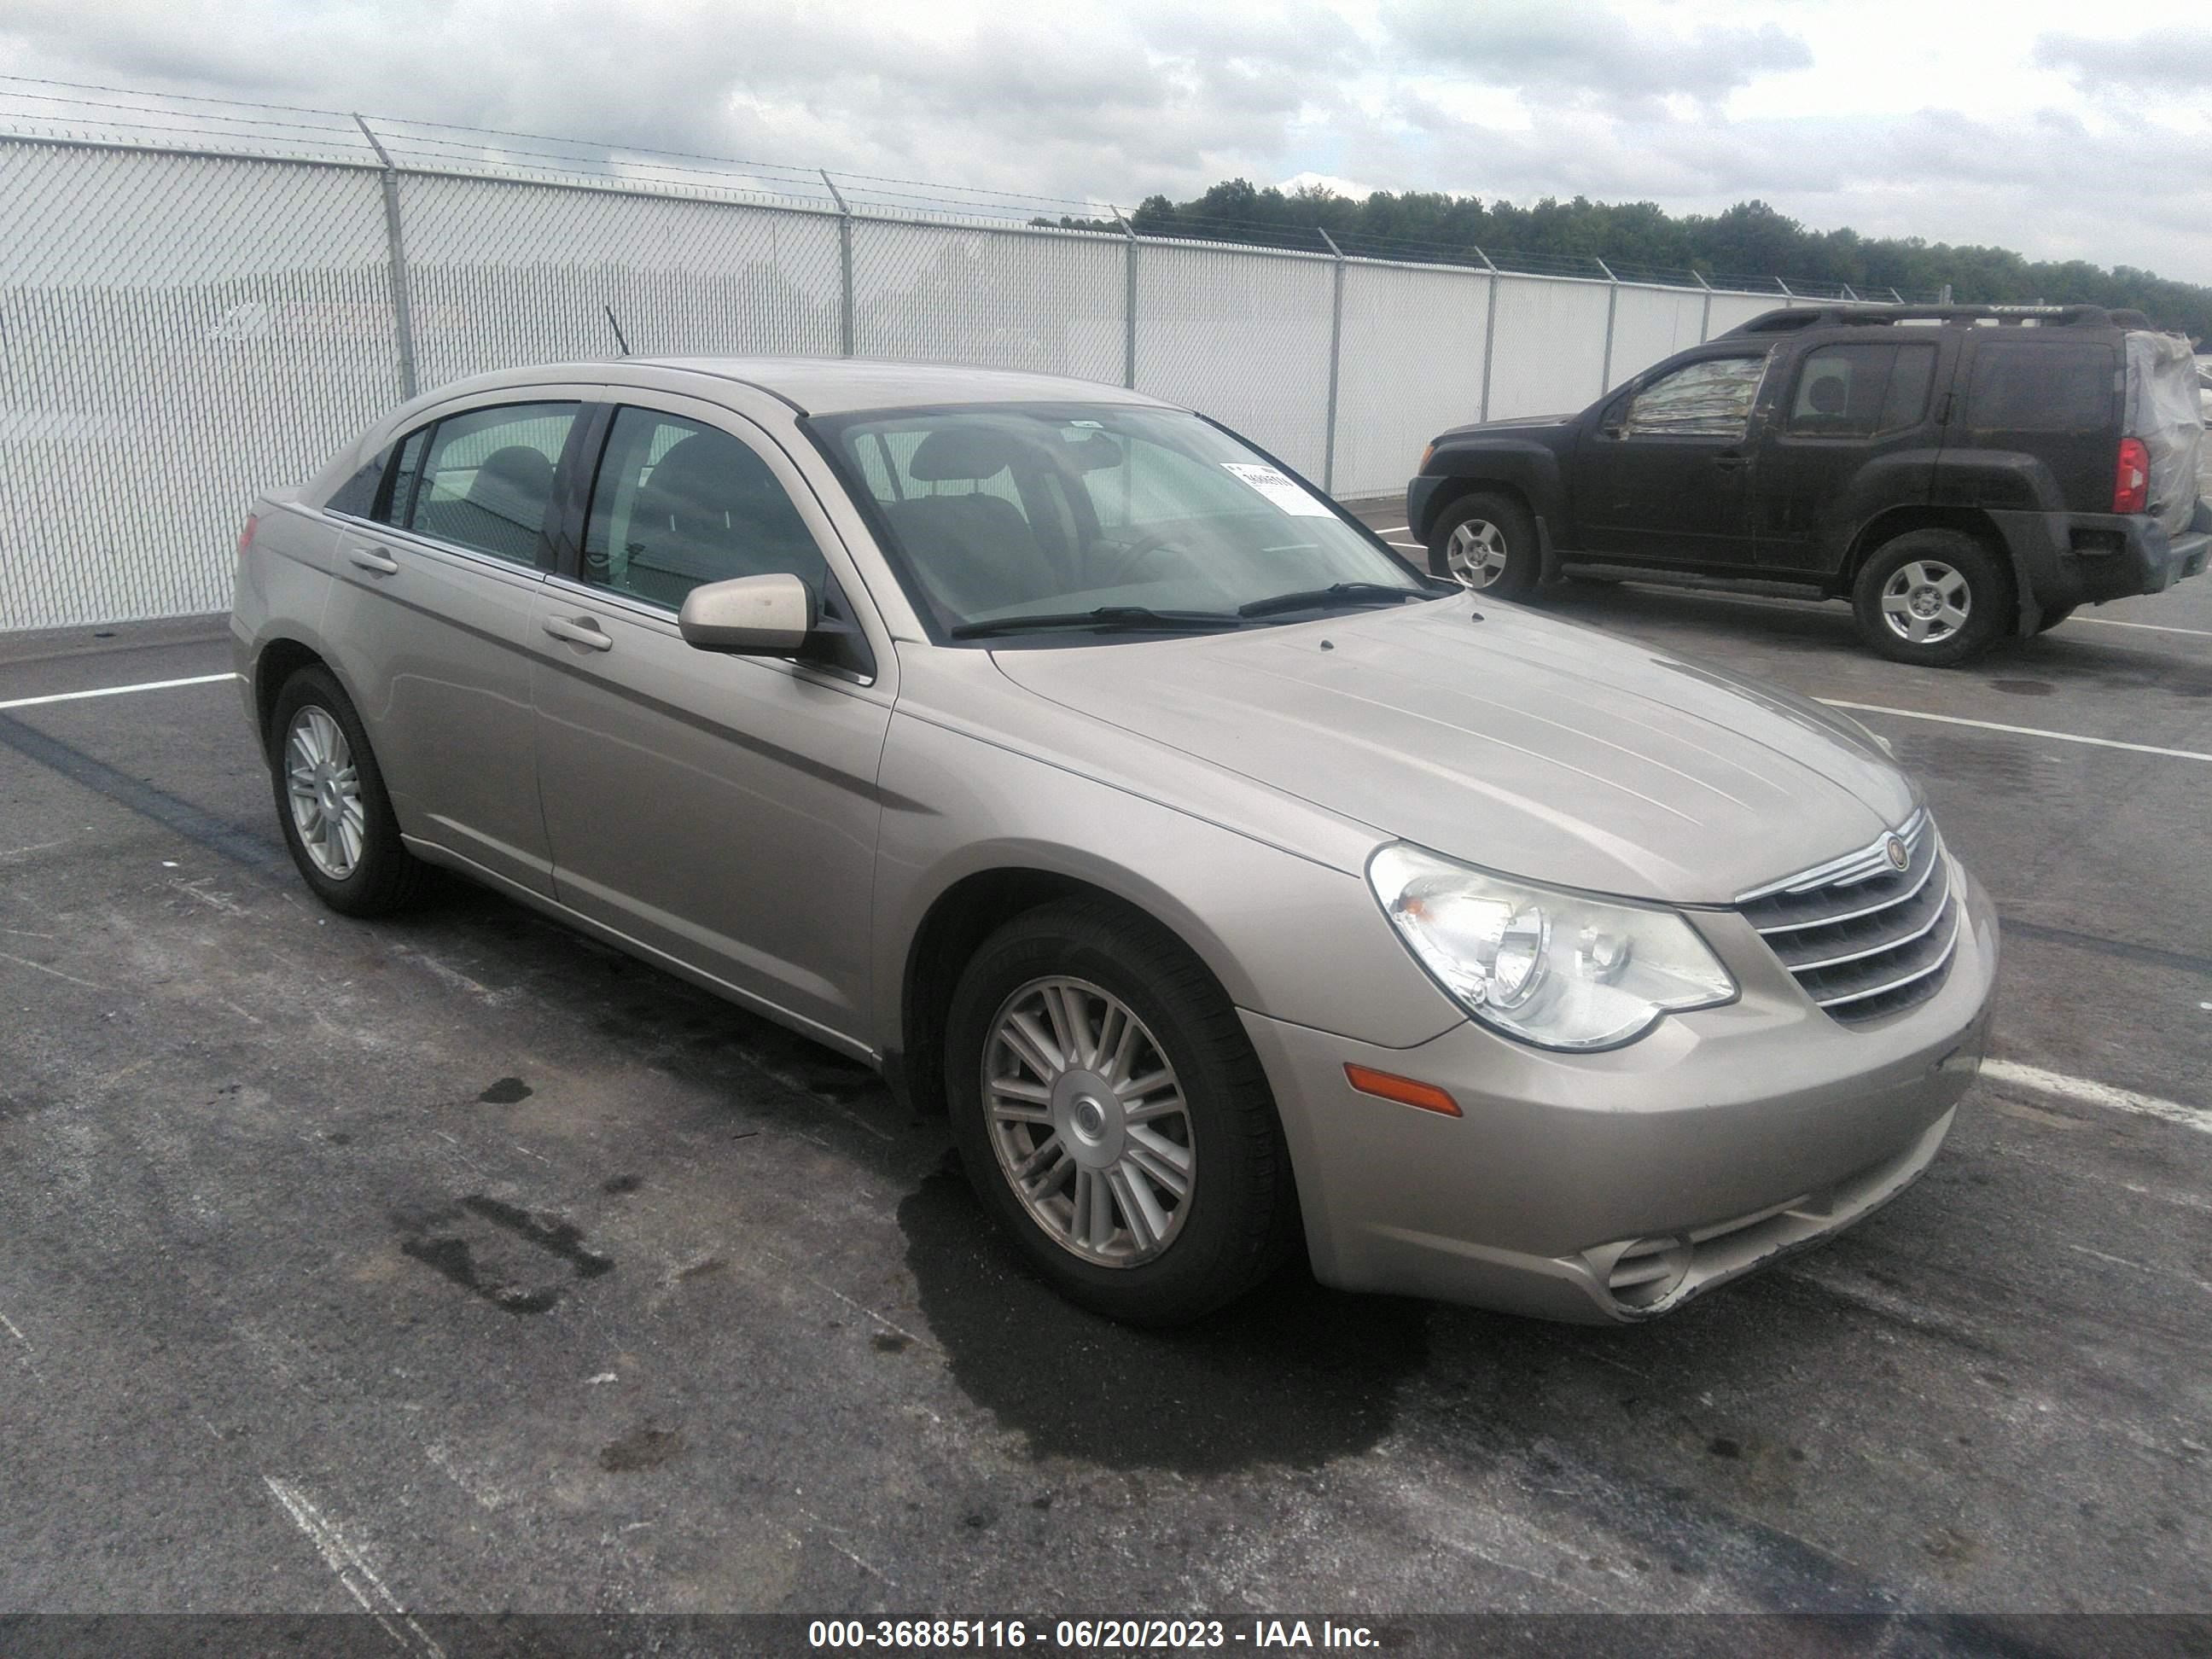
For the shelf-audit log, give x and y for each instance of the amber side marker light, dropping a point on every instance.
(1385, 1086)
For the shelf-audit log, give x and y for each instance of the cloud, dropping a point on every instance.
(1591, 52)
(2165, 60)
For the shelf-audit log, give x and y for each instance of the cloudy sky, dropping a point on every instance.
(2034, 125)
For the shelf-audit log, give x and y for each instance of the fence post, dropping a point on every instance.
(1611, 303)
(1128, 302)
(1335, 357)
(403, 310)
(844, 265)
(1705, 315)
(1489, 335)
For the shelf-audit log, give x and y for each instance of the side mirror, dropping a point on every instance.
(766, 616)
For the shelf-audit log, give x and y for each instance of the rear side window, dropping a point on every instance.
(1858, 389)
(482, 480)
(2035, 385)
(1708, 399)
(357, 496)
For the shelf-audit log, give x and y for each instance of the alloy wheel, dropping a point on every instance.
(1925, 602)
(1089, 1121)
(1475, 553)
(324, 786)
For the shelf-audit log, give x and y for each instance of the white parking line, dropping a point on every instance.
(115, 691)
(2148, 628)
(2082, 1090)
(2023, 730)
(1389, 529)
(343, 1558)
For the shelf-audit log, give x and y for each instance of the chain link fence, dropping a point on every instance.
(183, 327)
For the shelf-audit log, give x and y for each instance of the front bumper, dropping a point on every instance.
(2078, 558)
(1615, 1186)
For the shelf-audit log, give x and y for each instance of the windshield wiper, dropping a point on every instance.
(1106, 619)
(1316, 598)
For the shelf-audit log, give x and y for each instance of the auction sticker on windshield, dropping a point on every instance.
(1279, 487)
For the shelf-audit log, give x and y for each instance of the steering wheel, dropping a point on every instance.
(1133, 554)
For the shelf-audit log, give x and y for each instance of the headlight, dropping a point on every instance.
(1552, 968)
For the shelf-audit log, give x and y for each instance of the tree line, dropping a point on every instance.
(1749, 239)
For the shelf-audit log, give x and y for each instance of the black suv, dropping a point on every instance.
(1960, 472)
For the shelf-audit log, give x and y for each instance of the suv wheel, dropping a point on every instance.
(331, 800)
(1487, 542)
(1112, 1116)
(1935, 597)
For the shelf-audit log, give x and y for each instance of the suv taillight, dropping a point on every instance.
(2131, 480)
(253, 523)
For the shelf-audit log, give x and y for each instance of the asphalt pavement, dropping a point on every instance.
(454, 1264)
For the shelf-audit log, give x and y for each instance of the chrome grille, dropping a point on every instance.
(1865, 939)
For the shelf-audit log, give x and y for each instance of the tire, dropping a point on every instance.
(381, 876)
(1487, 542)
(2052, 616)
(1236, 1218)
(1954, 591)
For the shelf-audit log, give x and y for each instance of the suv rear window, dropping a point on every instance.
(2037, 386)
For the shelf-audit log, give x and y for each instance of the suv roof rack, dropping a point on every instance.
(2083, 316)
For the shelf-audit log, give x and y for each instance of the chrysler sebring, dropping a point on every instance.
(1235, 888)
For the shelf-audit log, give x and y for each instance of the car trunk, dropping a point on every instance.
(2164, 411)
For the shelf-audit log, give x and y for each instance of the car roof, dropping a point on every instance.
(831, 385)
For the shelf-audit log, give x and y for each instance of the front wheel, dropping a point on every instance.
(1487, 542)
(1933, 597)
(1112, 1116)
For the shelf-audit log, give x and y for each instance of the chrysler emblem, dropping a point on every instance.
(1898, 858)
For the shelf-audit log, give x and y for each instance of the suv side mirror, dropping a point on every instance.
(768, 616)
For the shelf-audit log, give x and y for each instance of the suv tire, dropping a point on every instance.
(332, 804)
(1146, 1006)
(1487, 542)
(1933, 597)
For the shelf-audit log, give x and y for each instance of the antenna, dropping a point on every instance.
(616, 326)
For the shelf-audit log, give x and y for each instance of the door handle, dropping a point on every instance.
(579, 630)
(372, 558)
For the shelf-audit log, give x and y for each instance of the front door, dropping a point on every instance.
(1663, 475)
(720, 811)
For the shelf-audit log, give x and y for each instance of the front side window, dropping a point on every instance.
(678, 504)
(482, 480)
(1709, 399)
(1001, 513)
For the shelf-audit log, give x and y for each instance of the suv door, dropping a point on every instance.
(1662, 474)
(430, 616)
(720, 811)
(1857, 429)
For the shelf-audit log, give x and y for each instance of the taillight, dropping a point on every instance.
(246, 536)
(2131, 480)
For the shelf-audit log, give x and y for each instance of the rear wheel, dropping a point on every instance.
(1112, 1116)
(337, 820)
(1487, 542)
(1933, 597)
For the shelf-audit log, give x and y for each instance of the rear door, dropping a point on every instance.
(1662, 475)
(1857, 424)
(430, 618)
(720, 811)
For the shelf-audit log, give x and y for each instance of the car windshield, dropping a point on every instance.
(1022, 521)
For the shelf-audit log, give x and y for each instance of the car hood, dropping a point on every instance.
(1529, 746)
(1516, 423)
